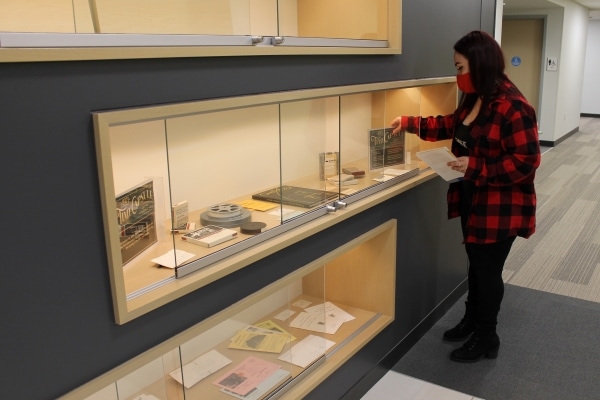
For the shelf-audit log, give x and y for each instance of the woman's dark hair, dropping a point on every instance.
(486, 61)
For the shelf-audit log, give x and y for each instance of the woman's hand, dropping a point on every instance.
(461, 164)
(396, 125)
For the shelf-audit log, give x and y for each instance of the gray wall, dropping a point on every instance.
(57, 328)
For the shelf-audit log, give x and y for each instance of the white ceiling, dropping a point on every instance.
(593, 5)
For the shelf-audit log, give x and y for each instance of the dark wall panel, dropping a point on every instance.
(56, 322)
(488, 16)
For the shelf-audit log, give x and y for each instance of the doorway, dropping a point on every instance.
(522, 44)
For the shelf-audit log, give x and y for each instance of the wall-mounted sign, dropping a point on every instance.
(552, 64)
(515, 61)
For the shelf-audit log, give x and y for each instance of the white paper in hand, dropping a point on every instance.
(438, 160)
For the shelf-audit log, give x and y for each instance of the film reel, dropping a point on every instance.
(227, 215)
(226, 210)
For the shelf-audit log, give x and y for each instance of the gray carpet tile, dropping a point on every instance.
(590, 191)
(562, 257)
(579, 212)
(549, 351)
(579, 264)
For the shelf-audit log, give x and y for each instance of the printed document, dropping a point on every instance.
(437, 159)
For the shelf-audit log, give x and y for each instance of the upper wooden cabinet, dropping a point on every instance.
(29, 29)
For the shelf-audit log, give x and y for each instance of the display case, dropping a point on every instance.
(201, 189)
(168, 28)
(280, 342)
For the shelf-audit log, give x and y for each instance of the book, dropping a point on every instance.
(173, 258)
(356, 172)
(328, 164)
(209, 236)
(185, 228)
(296, 196)
(179, 214)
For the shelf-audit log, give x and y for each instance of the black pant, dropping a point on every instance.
(486, 287)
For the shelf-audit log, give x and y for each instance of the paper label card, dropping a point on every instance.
(302, 303)
(284, 315)
(200, 368)
(317, 322)
(330, 310)
(307, 351)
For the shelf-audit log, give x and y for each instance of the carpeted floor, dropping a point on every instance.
(563, 256)
(550, 350)
(549, 324)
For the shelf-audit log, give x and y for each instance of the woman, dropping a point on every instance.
(495, 139)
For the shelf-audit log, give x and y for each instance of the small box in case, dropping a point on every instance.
(356, 172)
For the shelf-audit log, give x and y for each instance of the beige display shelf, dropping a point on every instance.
(358, 277)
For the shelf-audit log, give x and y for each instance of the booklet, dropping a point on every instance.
(247, 375)
(262, 388)
(269, 341)
(172, 258)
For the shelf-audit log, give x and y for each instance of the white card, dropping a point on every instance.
(395, 171)
(145, 397)
(306, 351)
(302, 303)
(317, 323)
(384, 178)
(284, 315)
(200, 368)
(168, 259)
(330, 310)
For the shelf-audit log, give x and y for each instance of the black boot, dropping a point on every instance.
(460, 332)
(465, 327)
(478, 346)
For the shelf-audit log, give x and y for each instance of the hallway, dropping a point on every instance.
(551, 306)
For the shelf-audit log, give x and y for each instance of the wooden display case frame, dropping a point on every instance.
(358, 277)
(126, 308)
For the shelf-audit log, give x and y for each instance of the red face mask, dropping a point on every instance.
(464, 83)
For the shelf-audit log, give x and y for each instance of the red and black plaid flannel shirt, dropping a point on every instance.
(502, 164)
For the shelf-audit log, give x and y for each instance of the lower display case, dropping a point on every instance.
(280, 342)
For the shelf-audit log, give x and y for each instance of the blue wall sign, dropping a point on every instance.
(515, 61)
